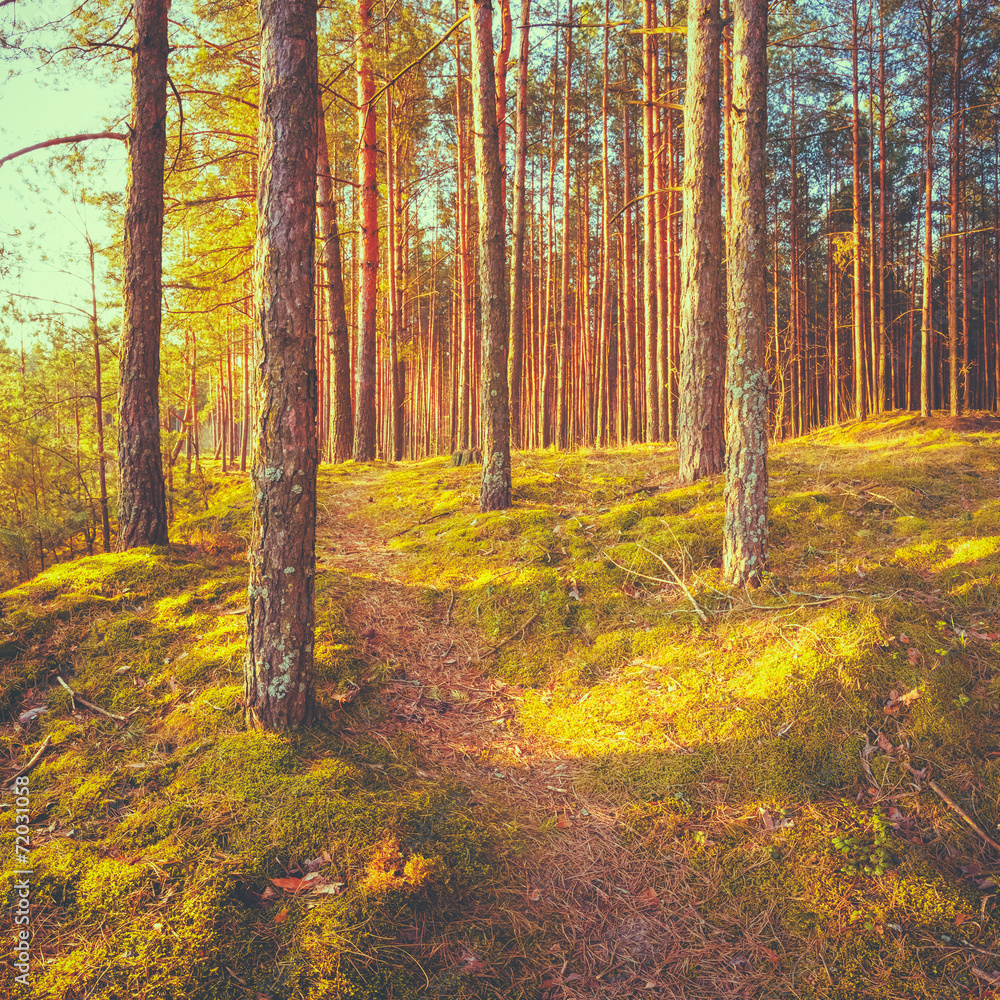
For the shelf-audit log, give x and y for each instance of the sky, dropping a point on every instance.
(41, 219)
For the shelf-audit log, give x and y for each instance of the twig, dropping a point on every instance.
(680, 583)
(426, 520)
(511, 637)
(87, 704)
(31, 763)
(961, 812)
(447, 614)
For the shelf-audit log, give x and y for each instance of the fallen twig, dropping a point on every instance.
(31, 763)
(87, 704)
(511, 637)
(961, 812)
(680, 583)
(426, 520)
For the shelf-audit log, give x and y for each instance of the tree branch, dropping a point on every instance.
(64, 139)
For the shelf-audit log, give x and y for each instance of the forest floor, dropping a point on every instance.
(555, 756)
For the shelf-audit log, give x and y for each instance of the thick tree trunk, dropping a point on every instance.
(700, 438)
(494, 493)
(364, 418)
(340, 348)
(515, 361)
(745, 532)
(142, 506)
(278, 676)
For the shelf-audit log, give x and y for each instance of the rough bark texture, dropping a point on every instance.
(515, 362)
(142, 507)
(927, 317)
(340, 347)
(278, 673)
(494, 493)
(745, 533)
(364, 419)
(700, 439)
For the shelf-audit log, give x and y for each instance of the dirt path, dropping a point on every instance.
(630, 918)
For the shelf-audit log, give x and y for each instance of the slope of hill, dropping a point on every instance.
(556, 756)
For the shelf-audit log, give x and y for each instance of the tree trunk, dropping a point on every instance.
(102, 477)
(745, 533)
(700, 440)
(650, 269)
(494, 493)
(859, 319)
(364, 421)
(142, 506)
(279, 663)
(926, 331)
(955, 400)
(565, 349)
(340, 348)
(515, 361)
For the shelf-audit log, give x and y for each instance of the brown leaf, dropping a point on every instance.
(281, 916)
(772, 956)
(884, 743)
(766, 817)
(913, 655)
(648, 897)
(563, 824)
(288, 884)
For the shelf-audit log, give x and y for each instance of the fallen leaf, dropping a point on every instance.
(766, 817)
(913, 655)
(960, 918)
(772, 956)
(329, 889)
(25, 718)
(884, 743)
(648, 897)
(281, 916)
(288, 884)
(269, 894)
(563, 824)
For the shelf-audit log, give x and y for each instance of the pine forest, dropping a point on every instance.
(500, 501)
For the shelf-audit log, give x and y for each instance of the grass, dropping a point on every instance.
(715, 791)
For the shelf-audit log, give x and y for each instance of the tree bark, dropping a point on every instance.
(340, 348)
(745, 531)
(494, 492)
(515, 361)
(700, 439)
(649, 180)
(860, 411)
(926, 330)
(364, 419)
(102, 476)
(279, 663)
(142, 507)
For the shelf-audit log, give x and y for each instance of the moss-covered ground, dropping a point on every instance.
(556, 755)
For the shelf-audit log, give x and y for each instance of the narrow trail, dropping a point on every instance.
(629, 917)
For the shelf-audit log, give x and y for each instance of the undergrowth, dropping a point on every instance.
(782, 741)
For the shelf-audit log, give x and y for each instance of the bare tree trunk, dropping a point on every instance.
(279, 663)
(700, 443)
(881, 395)
(364, 421)
(926, 331)
(515, 361)
(142, 506)
(340, 349)
(565, 349)
(955, 399)
(102, 477)
(649, 179)
(860, 411)
(745, 532)
(494, 492)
